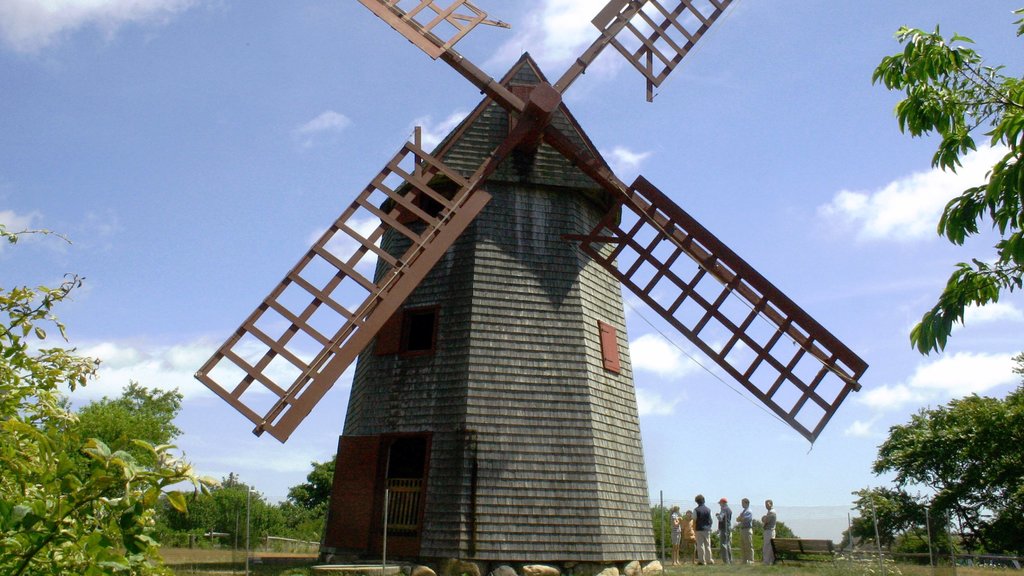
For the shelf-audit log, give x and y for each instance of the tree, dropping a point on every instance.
(897, 513)
(316, 491)
(951, 92)
(967, 453)
(223, 510)
(305, 512)
(68, 504)
(139, 413)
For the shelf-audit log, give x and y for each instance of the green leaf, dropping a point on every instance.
(177, 501)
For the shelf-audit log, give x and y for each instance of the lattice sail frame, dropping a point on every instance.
(438, 33)
(726, 308)
(662, 37)
(297, 343)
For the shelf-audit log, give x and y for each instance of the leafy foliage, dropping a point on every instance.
(223, 509)
(68, 504)
(951, 92)
(968, 453)
(898, 515)
(315, 493)
(138, 413)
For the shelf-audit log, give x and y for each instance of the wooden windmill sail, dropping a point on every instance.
(435, 242)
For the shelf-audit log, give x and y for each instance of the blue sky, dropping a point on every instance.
(193, 149)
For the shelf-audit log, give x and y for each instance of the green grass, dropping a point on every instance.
(194, 561)
(825, 568)
(302, 567)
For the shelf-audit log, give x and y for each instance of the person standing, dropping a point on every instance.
(725, 531)
(745, 522)
(689, 538)
(702, 524)
(677, 533)
(768, 520)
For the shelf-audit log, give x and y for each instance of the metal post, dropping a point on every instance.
(384, 549)
(878, 539)
(248, 500)
(928, 527)
(849, 533)
(234, 549)
(661, 512)
(952, 550)
(387, 497)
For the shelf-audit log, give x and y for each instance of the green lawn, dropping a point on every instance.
(826, 568)
(199, 562)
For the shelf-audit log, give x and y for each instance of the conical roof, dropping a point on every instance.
(466, 147)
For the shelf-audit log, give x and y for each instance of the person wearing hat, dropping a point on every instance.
(725, 531)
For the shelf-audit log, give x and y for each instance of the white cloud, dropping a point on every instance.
(168, 367)
(326, 124)
(909, 208)
(434, 132)
(995, 312)
(16, 222)
(31, 25)
(651, 403)
(556, 33)
(952, 376)
(625, 162)
(652, 353)
(891, 397)
(862, 429)
(161, 367)
(329, 121)
(964, 373)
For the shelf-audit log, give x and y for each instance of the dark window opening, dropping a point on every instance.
(406, 472)
(406, 458)
(429, 205)
(408, 332)
(420, 328)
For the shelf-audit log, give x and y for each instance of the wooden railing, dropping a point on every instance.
(404, 506)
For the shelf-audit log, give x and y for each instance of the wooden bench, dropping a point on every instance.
(796, 547)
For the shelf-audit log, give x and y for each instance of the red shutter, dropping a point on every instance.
(609, 347)
(389, 339)
(351, 517)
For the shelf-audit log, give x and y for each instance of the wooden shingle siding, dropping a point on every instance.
(536, 452)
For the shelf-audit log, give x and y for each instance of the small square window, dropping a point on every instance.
(409, 331)
(419, 330)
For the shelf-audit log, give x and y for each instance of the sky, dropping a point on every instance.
(191, 150)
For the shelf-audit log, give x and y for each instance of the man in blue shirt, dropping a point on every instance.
(702, 525)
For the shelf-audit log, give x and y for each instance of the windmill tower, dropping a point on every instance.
(492, 414)
(497, 405)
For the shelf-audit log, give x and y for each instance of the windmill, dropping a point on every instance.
(492, 413)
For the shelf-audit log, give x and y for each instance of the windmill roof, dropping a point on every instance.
(466, 147)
